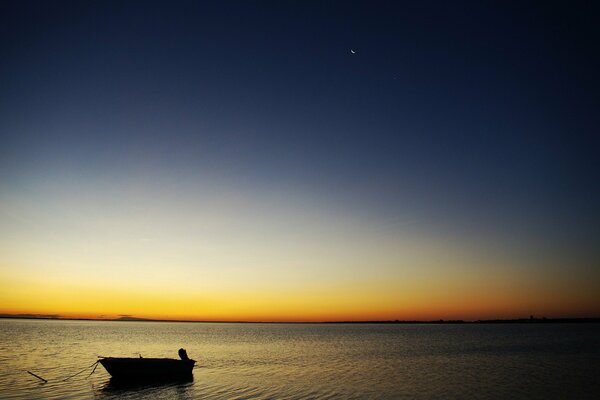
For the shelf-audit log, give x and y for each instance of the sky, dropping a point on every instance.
(299, 160)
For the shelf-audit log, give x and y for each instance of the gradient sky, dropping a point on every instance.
(236, 161)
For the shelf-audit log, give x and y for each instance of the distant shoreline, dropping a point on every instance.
(531, 320)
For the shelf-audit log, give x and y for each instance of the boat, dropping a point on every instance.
(148, 368)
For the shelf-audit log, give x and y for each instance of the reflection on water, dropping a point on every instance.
(125, 388)
(316, 361)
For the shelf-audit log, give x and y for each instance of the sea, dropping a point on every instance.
(306, 361)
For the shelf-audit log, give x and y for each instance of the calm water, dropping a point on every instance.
(272, 361)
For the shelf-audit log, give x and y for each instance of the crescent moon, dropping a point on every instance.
(352, 51)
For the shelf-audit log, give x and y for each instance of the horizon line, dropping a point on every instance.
(530, 319)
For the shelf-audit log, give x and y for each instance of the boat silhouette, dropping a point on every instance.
(124, 368)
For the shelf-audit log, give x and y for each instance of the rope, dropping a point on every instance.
(74, 375)
(95, 365)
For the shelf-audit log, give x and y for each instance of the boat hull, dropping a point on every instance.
(147, 368)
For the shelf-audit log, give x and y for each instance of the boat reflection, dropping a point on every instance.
(114, 386)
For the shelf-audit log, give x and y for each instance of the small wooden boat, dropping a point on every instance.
(148, 368)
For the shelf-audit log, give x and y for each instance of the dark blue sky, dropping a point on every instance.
(468, 117)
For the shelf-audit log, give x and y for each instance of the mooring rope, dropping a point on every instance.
(86, 368)
(95, 365)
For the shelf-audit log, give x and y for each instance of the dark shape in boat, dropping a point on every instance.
(149, 368)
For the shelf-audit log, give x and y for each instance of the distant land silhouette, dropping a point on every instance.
(130, 318)
(31, 316)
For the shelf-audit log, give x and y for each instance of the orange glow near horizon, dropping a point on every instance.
(233, 254)
(366, 301)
